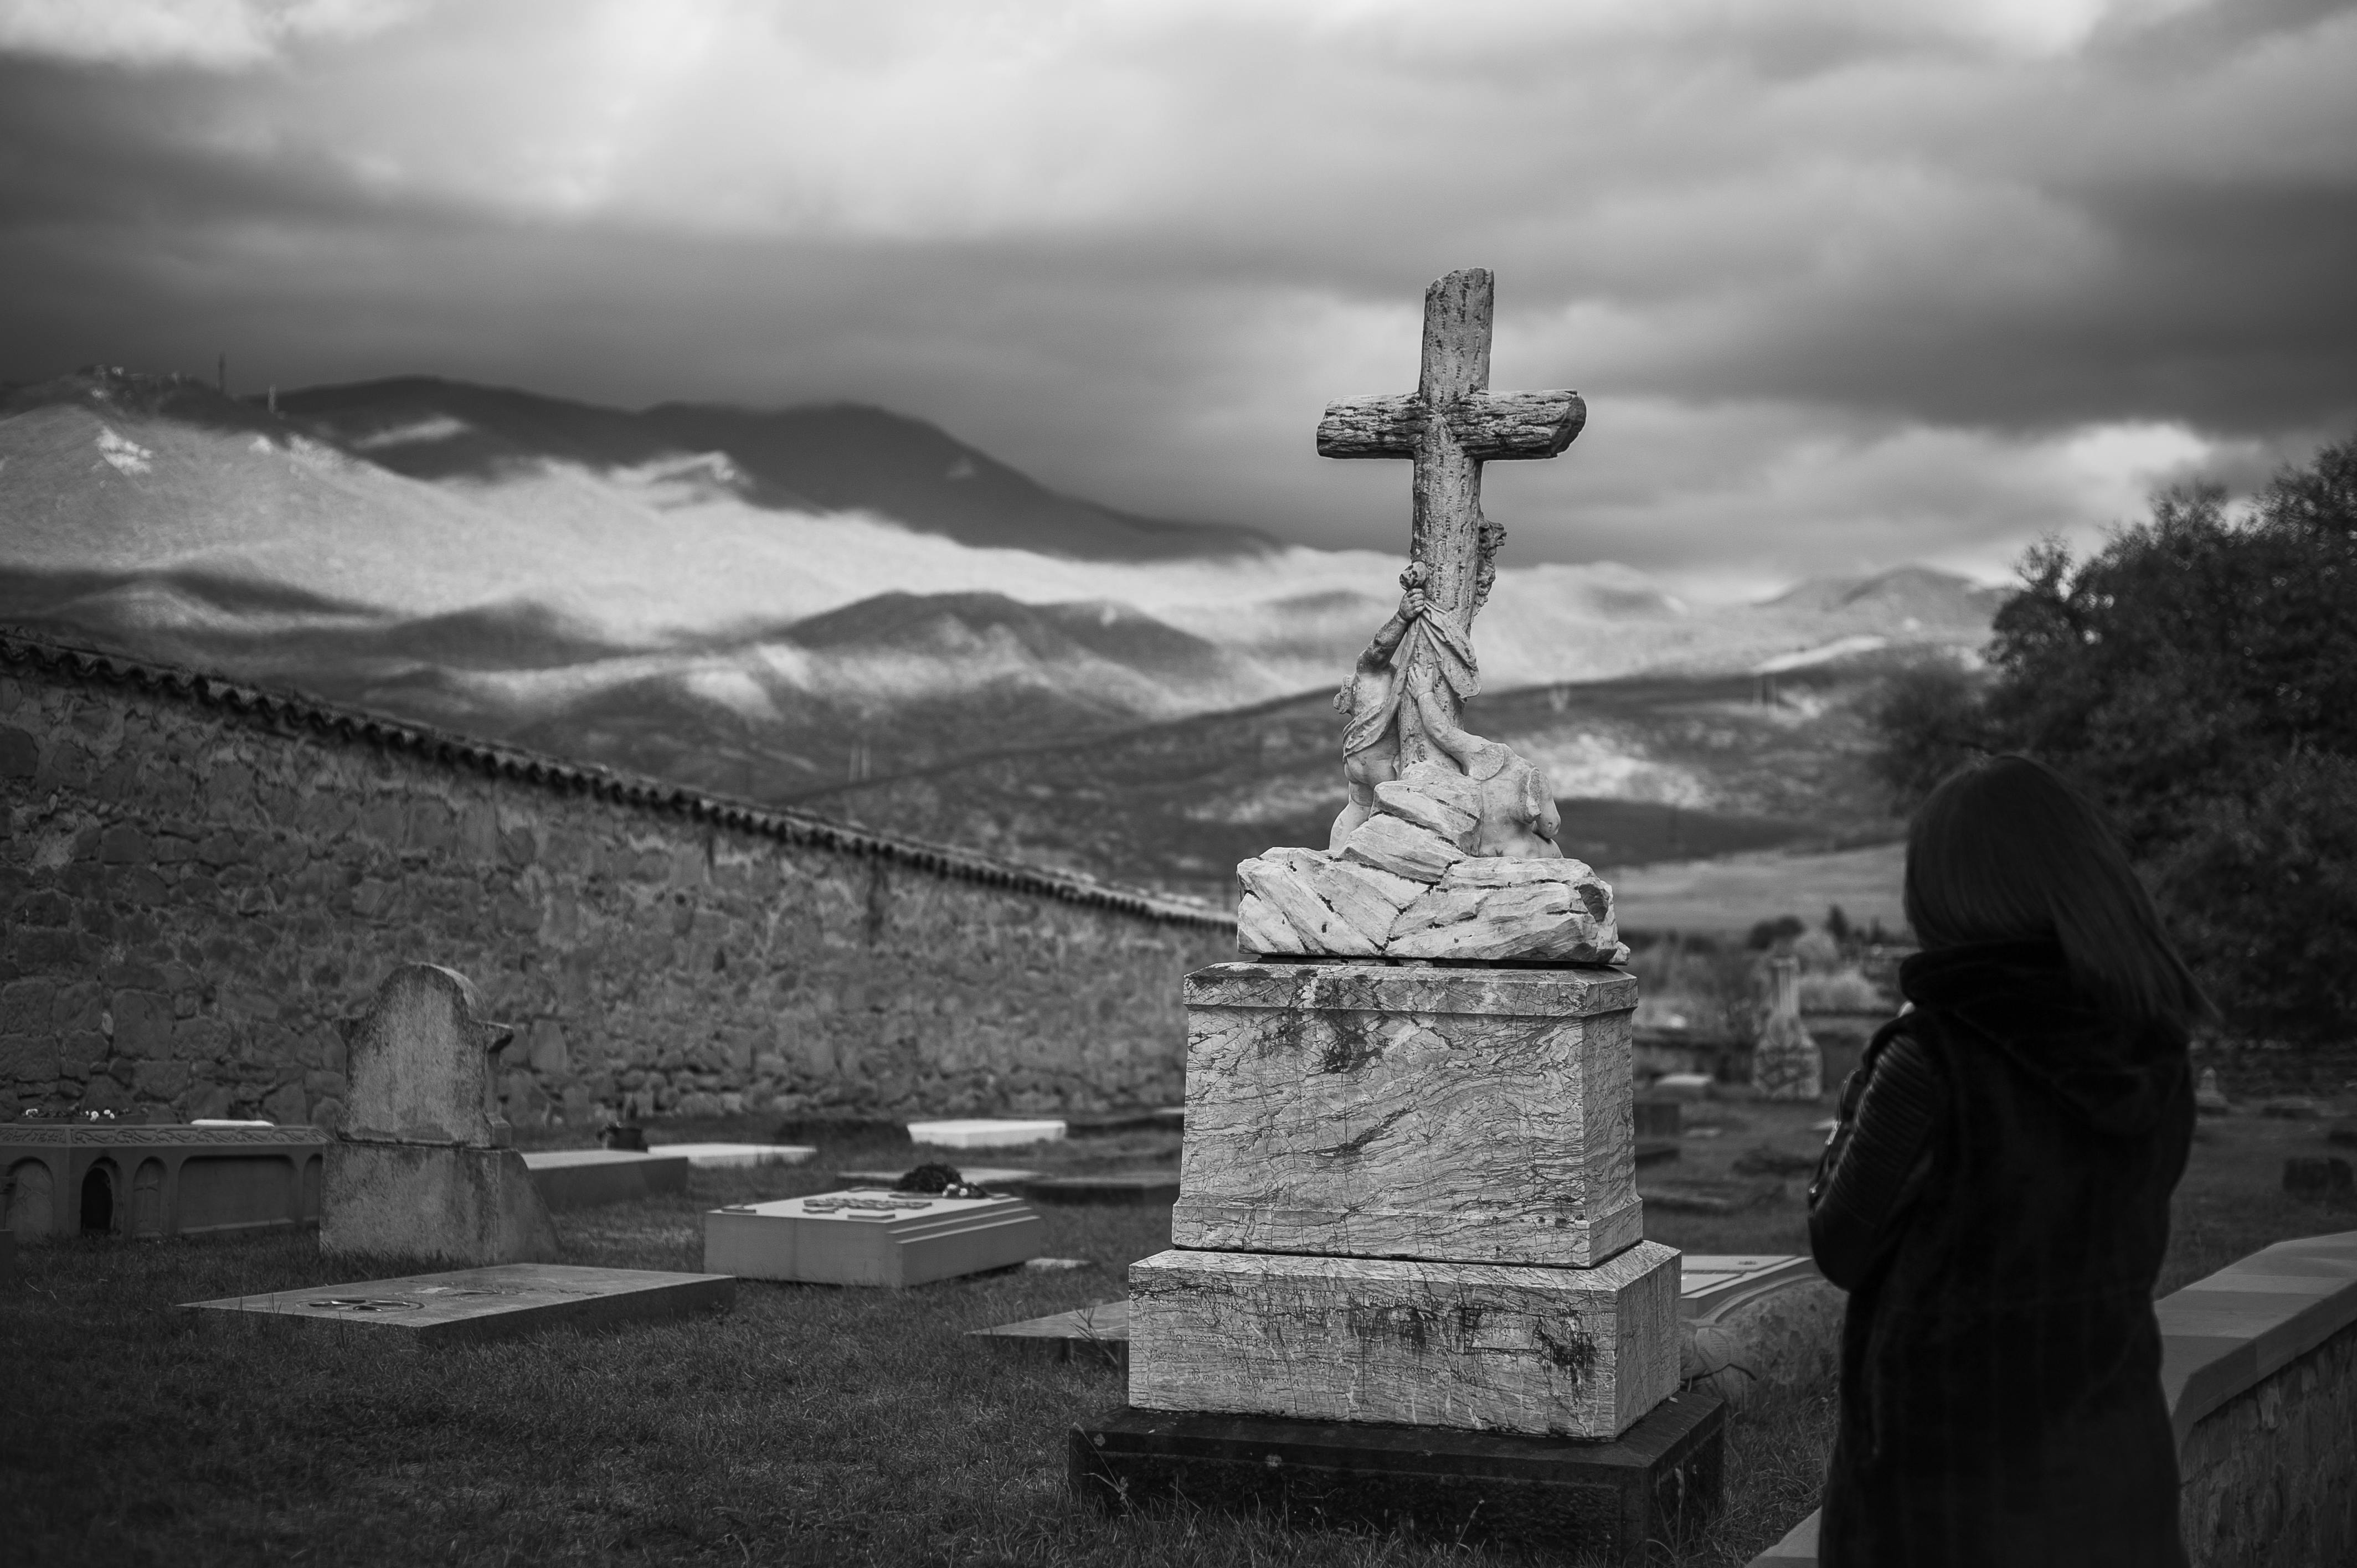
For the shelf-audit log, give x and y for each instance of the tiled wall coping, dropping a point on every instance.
(2220, 1337)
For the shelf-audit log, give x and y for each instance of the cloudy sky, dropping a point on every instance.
(1846, 283)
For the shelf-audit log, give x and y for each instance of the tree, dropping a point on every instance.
(2198, 675)
(1928, 719)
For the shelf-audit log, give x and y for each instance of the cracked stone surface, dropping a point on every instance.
(1410, 1111)
(1402, 898)
(1575, 1352)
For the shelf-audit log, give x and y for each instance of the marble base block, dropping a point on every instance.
(1569, 1352)
(452, 1204)
(1409, 1110)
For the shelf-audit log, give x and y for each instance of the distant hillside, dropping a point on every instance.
(897, 683)
(1908, 598)
(830, 457)
(1647, 769)
(640, 590)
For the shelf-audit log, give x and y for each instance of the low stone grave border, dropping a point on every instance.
(2260, 1364)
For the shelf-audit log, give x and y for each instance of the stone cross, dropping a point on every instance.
(1450, 426)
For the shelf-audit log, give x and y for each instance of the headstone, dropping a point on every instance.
(2208, 1098)
(1785, 1064)
(869, 1237)
(985, 1132)
(1407, 1183)
(63, 1179)
(1408, 1195)
(422, 1166)
(583, 1178)
(470, 1306)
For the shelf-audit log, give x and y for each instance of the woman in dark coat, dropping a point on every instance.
(1995, 1199)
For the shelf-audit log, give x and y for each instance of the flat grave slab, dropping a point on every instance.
(1098, 1334)
(869, 1237)
(1712, 1283)
(985, 1132)
(1608, 1498)
(997, 1178)
(470, 1306)
(583, 1178)
(735, 1156)
(1136, 1187)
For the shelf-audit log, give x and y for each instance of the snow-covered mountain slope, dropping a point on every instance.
(745, 612)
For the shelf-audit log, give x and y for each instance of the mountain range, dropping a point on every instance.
(847, 607)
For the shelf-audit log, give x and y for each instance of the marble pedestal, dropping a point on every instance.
(1550, 1351)
(1408, 1194)
(1477, 1115)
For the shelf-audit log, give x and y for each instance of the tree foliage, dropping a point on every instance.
(2198, 675)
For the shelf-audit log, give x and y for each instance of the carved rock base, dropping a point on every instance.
(1571, 1352)
(1435, 903)
(452, 1204)
(1373, 1110)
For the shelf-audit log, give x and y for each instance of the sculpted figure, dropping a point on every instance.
(1518, 811)
(1370, 702)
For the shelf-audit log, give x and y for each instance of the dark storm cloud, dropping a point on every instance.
(1846, 285)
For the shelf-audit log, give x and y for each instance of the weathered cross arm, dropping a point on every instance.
(1489, 426)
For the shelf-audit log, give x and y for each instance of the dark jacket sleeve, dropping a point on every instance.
(1879, 1157)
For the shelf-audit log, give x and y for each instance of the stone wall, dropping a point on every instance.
(200, 883)
(2270, 1476)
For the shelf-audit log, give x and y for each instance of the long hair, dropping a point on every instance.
(2005, 851)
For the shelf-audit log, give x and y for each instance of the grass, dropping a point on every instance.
(807, 1425)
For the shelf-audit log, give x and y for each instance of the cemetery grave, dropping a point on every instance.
(869, 1236)
(472, 1306)
(424, 1164)
(65, 1178)
(802, 1424)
